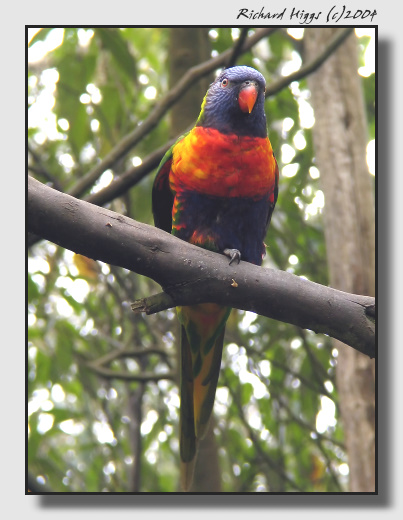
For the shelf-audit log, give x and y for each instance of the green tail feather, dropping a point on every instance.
(210, 381)
(201, 351)
(187, 428)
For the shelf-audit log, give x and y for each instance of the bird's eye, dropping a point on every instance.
(224, 82)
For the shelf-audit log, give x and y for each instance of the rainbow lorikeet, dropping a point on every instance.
(216, 188)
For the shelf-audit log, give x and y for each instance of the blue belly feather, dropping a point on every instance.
(233, 222)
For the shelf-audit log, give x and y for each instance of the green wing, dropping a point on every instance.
(162, 196)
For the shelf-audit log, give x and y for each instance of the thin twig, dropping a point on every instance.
(329, 465)
(121, 184)
(128, 376)
(265, 457)
(320, 389)
(313, 65)
(306, 426)
(126, 353)
(42, 170)
(281, 400)
(236, 51)
(153, 304)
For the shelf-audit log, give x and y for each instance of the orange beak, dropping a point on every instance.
(247, 98)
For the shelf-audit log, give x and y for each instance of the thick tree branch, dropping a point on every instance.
(189, 274)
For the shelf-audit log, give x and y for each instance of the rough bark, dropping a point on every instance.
(340, 139)
(187, 48)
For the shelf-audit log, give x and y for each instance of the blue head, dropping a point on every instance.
(234, 103)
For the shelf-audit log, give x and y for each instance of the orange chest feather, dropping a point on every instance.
(212, 163)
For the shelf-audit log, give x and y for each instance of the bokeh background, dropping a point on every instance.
(98, 417)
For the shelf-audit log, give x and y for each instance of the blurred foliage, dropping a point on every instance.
(94, 423)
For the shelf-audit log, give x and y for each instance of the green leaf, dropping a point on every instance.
(75, 73)
(33, 291)
(113, 42)
(40, 35)
(246, 393)
(66, 338)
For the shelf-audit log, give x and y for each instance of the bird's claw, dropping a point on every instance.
(233, 254)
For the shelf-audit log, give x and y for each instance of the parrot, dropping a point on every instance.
(216, 188)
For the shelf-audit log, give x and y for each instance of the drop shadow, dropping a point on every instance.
(385, 254)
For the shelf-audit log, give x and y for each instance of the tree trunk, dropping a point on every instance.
(340, 139)
(187, 48)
